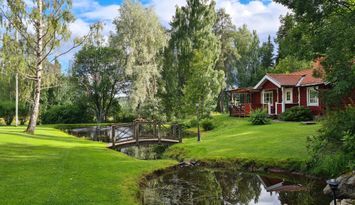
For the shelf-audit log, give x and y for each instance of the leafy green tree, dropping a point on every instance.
(225, 31)
(7, 111)
(49, 20)
(142, 38)
(326, 32)
(98, 72)
(248, 64)
(192, 54)
(290, 64)
(267, 55)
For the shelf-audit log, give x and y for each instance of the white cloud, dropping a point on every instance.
(259, 16)
(165, 10)
(262, 16)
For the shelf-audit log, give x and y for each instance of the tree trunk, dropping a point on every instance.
(39, 65)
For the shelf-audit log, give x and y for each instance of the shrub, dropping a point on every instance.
(124, 117)
(333, 149)
(297, 113)
(259, 117)
(7, 111)
(193, 122)
(66, 114)
(207, 125)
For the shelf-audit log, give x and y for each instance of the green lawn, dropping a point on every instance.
(55, 168)
(237, 138)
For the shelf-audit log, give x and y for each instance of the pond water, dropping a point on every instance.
(104, 133)
(207, 186)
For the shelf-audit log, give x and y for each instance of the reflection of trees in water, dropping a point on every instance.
(203, 186)
(194, 185)
(313, 195)
(239, 187)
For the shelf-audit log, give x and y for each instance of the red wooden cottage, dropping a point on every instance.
(278, 92)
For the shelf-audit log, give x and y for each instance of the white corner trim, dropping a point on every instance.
(266, 77)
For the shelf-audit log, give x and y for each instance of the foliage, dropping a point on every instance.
(49, 21)
(7, 111)
(259, 117)
(142, 38)
(248, 64)
(335, 143)
(207, 124)
(297, 113)
(328, 32)
(98, 74)
(124, 117)
(66, 114)
(291, 64)
(189, 74)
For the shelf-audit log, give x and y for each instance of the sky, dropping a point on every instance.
(260, 15)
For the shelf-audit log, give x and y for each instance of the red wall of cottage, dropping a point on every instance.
(317, 110)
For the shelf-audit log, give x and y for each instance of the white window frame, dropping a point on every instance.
(272, 97)
(309, 90)
(290, 90)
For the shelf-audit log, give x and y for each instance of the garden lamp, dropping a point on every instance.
(334, 187)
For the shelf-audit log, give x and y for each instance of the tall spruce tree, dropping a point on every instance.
(193, 51)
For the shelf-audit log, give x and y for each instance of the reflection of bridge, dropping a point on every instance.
(144, 132)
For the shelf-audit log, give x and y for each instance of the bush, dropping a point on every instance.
(7, 111)
(207, 125)
(193, 123)
(297, 113)
(124, 117)
(259, 117)
(333, 149)
(66, 114)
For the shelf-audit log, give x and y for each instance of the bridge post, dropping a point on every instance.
(179, 133)
(159, 137)
(113, 135)
(136, 132)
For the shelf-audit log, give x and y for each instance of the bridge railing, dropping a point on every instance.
(145, 130)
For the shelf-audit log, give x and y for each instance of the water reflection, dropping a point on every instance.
(195, 185)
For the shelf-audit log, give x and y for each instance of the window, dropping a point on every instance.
(312, 97)
(240, 98)
(288, 95)
(268, 97)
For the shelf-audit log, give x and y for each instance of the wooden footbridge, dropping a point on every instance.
(144, 132)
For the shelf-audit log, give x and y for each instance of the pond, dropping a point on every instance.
(209, 186)
(104, 133)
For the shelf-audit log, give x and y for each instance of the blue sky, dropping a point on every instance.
(259, 15)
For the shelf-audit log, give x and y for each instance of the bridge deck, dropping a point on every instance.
(142, 141)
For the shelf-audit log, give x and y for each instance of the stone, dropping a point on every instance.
(346, 188)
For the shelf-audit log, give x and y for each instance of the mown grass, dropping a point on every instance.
(236, 138)
(52, 167)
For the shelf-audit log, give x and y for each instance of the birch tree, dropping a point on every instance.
(42, 25)
(142, 38)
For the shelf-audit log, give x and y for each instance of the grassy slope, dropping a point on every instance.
(237, 138)
(55, 168)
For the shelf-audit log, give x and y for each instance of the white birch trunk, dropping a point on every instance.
(39, 65)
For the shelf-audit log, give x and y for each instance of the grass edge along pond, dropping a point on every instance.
(281, 144)
(53, 167)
